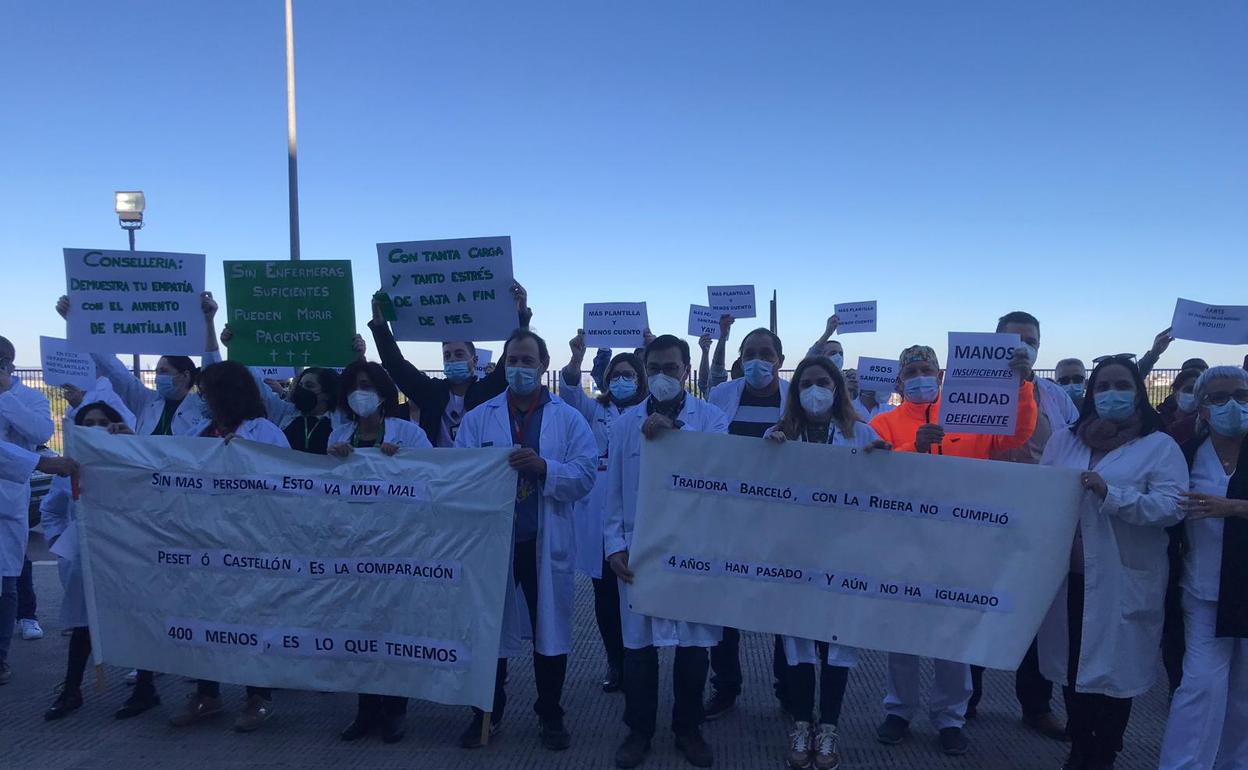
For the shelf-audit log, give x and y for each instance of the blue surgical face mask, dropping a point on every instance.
(1186, 401)
(1115, 405)
(758, 373)
(165, 387)
(921, 390)
(622, 389)
(1229, 419)
(1075, 390)
(457, 371)
(522, 381)
(838, 359)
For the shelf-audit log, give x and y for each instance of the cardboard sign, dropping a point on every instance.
(1219, 324)
(290, 313)
(879, 375)
(856, 317)
(450, 290)
(134, 302)
(737, 301)
(483, 361)
(980, 391)
(615, 324)
(703, 320)
(62, 366)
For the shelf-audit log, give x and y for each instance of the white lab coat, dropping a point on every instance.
(102, 390)
(282, 412)
(568, 448)
(401, 432)
(146, 403)
(260, 430)
(623, 481)
(1056, 405)
(1125, 564)
(59, 519)
(867, 413)
(727, 396)
(589, 516)
(16, 463)
(25, 421)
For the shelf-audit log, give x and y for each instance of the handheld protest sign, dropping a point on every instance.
(456, 289)
(483, 361)
(855, 317)
(290, 313)
(1219, 324)
(703, 320)
(615, 324)
(62, 366)
(737, 301)
(134, 302)
(878, 374)
(980, 390)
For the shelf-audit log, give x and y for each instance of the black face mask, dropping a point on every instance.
(304, 400)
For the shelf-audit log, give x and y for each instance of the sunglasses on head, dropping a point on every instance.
(1116, 357)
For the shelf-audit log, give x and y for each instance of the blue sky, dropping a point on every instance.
(1087, 162)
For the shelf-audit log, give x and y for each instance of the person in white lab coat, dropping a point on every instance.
(668, 407)
(25, 420)
(623, 386)
(1209, 712)
(819, 410)
(554, 458)
(232, 408)
(369, 397)
(1101, 638)
(100, 391)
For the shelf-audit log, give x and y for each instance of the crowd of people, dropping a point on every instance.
(1156, 568)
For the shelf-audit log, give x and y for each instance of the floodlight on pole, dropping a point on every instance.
(129, 205)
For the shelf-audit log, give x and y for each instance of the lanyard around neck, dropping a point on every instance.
(381, 435)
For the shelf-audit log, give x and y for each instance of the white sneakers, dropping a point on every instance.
(29, 629)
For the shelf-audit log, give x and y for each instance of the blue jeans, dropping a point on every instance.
(8, 614)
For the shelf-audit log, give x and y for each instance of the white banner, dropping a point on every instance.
(943, 557)
(62, 366)
(1222, 324)
(736, 301)
(451, 290)
(134, 302)
(257, 565)
(980, 390)
(615, 324)
(855, 317)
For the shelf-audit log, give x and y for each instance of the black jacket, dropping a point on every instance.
(1233, 592)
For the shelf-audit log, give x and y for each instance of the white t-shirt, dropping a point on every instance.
(451, 417)
(1202, 564)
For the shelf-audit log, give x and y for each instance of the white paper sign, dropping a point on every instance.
(483, 361)
(873, 546)
(276, 372)
(703, 320)
(878, 374)
(1221, 324)
(62, 366)
(855, 317)
(134, 302)
(451, 290)
(980, 390)
(391, 571)
(615, 324)
(737, 301)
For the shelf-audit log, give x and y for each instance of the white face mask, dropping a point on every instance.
(818, 400)
(363, 402)
(664, 388)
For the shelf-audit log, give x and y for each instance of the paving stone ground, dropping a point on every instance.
(304, 731)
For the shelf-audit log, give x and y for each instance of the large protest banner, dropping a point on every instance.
(252, 564)
(457, 289)
(943, 557)
(286, 313)
(134, 302)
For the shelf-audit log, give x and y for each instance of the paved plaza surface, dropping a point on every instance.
(304, 730)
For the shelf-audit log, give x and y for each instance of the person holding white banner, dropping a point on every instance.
(624, 386)
(669, 407)
(819, 411)
(1101, 638)
(554, 458)
(1209, 712)
(231, 407)
(914, 427)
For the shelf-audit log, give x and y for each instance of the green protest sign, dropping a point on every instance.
(290, 313)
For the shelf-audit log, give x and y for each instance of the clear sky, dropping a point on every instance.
(1087, 162)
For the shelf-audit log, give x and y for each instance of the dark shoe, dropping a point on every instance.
(392, 729)
(6, 672)
(470, 738)
(971, 712)
(953, 742)
(141, 700)
(632, 752)
(256, 712)
(198, 708)
(696, 750)
(611, 683)
(1076, 761)
(893, 730)
(1048, 726)
(554, 736)
(361, 726)
(67, 701)
(718, 705)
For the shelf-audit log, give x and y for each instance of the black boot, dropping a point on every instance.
(359, 727)
(392, 730)
(140, 700)
(69, 700)
(611, 682)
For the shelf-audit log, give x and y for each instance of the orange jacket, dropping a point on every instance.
(899, 426)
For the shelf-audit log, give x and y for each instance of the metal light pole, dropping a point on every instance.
(129, 207)
(292, 155)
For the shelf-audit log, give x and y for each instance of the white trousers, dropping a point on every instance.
(1209, 713)
(946, 704)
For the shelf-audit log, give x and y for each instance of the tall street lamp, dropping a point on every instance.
(129, 206)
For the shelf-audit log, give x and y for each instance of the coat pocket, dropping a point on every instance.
(559, 540)
(1143, 594)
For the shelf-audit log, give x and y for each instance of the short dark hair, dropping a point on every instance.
(7, 346)
(1017, 317)
(472, 349)
(524, 334)
(667, 342)
(382, 383)
(1150, 420)
(112, 414)
(1195, 363)
(231, 393)
(775, 340)
(326, 378)
(185, 365)
(1183, 376)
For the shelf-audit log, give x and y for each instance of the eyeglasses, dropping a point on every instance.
(671, 370)
(1218, 399)
(1115, 357)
